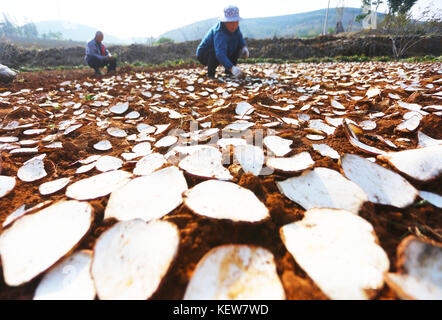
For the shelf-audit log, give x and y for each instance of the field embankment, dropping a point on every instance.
(287, 49)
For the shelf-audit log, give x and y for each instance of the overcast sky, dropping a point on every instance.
(141, 18)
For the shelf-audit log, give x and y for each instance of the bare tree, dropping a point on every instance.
(406, 31)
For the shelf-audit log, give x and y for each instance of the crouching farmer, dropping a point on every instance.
(224, 44)
(6, 74)
(97, 55)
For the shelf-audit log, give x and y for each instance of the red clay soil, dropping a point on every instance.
(198, 234)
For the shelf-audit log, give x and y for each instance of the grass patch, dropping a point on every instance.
(168, 63)
(36, 69)
(354, 58)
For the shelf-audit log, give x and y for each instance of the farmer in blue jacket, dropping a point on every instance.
(97, 55)
(224, 44)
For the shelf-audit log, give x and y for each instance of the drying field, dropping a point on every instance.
(301, 181)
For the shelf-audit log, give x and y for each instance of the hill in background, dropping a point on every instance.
(75, 32)
(308, 24)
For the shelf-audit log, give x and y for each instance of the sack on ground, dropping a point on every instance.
(6, 74)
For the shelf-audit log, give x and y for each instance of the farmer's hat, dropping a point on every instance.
(231, 14)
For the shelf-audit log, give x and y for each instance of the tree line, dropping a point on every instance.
(29, 30)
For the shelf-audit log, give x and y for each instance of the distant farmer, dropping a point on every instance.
(224, 44)
(97, 56)
(6, 74)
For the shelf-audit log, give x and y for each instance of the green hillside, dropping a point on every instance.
(307, 24)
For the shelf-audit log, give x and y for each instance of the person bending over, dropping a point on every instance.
(97, 55)
(224, 44)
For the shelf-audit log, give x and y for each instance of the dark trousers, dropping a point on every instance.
(96, 63)
(209, 59)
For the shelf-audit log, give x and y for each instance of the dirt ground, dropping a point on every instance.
(261, 89)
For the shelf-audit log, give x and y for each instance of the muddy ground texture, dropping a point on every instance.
(43, 100)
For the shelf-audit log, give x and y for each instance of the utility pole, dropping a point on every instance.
(326, 19)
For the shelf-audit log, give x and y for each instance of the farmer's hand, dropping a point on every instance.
(245, 53)
(237, 72)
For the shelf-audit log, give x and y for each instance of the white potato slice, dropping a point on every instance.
(326, 151)
(250, 157)
(98, 186)
(381, 185)
(29, 143)
(160, 128)
(244, 108)
(34, 132)
(188, 150)
(35, 242)
(373, 92)
(426, 141)
(409, 106)
(225, 142)
(421, 271)
(72, 129)
(103, 145)
(142, 149)
(149, 164)
(335, 122)
(142, 127)
(133, 115)
(321, 126)
(239, 127)
(434, 199)
(149, 197)
(120, 108)
(206, 163)
(337, 105)
(21, 211)
(323, 188)
(315, 137)
(69, 280)
(108, 163)
(8, 139)
(53, 186)
(116, 132)
(32, 171)
(166, 142)
(279, 146)
(85, 168)
(290, 121)
(236, 272)
(409, 125)
(90, 159)
(296, 163)
(368, 125)
(339, 251)
(131, 259)
(225, 200)
(421, 164)
(23, 151)
(7, 184)
(394, 96)
(352, 137)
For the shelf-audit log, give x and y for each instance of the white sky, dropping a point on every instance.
(138, 18)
